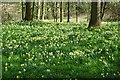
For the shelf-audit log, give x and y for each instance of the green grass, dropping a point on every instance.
(59, 50)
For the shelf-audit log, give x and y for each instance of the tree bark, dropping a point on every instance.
(68, 19)
(56, 11)
(77, 12)
(95, 15)
(47, 11)
(22, 10)
(60, 11)
(42, 10)
(33, 10)
(53, 11)
(28, 11)
(38, 9)
(102, 10)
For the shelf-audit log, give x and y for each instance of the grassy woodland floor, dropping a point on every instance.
(60, 50)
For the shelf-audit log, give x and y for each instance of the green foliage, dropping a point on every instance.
(59, 50)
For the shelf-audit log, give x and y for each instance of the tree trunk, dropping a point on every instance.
(42, 10)
(47, 11)
(68, 19)
(53, 11)
(95, 15)
(56, 11)
(28, 11)
(38, 9)
(77, 12)
(22, 10)
(102, 10)
(43, 17)
(33, 10)
(60, 11)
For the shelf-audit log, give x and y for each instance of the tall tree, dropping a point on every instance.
(95, 15)
(68, 19)
(60, 11)
(28, 15)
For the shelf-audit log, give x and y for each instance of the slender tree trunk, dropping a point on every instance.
(47, 11)
(60, 11)
(68, 19)
(28, 11)
(102, 10)
(33, 10)
(77, 12)
(53, 11)
(38, 9)
(36, 13)
(95, 15)
(56, 11)
(22, 10)
(42, 10)
(43, 17)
